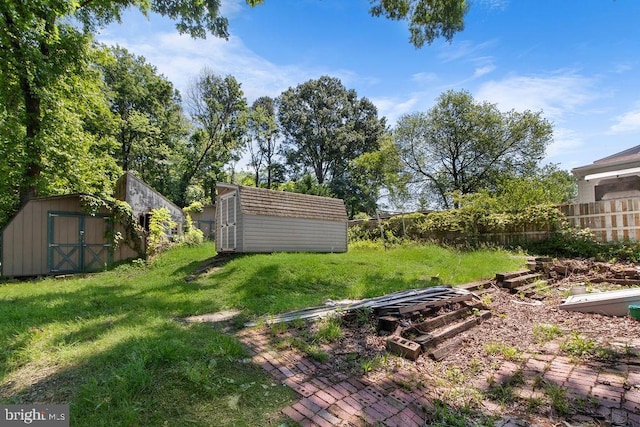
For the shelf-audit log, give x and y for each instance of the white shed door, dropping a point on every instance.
(227, 222)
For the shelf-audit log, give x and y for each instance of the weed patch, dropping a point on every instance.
(544, 333)
(508, 352)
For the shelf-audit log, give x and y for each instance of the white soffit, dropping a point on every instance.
(610, 174)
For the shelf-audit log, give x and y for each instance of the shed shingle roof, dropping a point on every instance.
(260, 201)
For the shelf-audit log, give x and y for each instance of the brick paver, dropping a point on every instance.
(334, 399)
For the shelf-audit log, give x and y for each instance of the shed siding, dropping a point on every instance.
(206, 221)
(272, 221)
(274, 234)
(25, 237)
(241, 226)
(24, 240)
(142, 198)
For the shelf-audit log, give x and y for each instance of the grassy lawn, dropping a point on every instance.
(113, 346)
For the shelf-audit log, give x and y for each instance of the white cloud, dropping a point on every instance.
(557, 95)
(494, 4)
(481, 71)
(628, 122)
(393, 108)
(622, 67)
(424, 78)
(180, 58)
(464, 49)
(230, 8)
(565, 141)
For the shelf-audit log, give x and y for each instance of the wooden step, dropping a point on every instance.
(432, 340)
(520, 280)
(528, 289)
(445, 349)
(444, 319)
(501, 277)
(432, 304)
(475, 286)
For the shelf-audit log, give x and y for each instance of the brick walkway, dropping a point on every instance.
(330, 398)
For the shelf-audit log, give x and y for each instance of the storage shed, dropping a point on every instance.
(259, 220)
(143, 199)
(205, 221)
(54, 235)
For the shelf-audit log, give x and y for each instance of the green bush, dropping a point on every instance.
(568, 242)
(160, 227)
(192, 236)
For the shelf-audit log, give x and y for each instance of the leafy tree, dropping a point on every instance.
(548, 186)
(465, 146)
(428, 19)
(375, 175)
(262, 138)
(307, 184)
(76, 149)
(216, 106)
(40, 47)
(151, 128)
(325, 126)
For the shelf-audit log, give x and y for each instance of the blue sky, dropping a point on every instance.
(576, 60)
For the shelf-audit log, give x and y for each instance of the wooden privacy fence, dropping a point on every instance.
(610, 221)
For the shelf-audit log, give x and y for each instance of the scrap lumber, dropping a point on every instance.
(444, 350)
(481, 285)
(530, 288)
(501, 277)
(384, 304)
(630, 282)
(432, 304)
(444, 319)
(431, 340)
(388, 323)
(520, 280)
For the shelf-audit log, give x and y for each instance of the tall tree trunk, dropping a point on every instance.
(33, 167)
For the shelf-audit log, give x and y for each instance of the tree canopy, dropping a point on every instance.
(428, 19)
(262, 138)
(150, 127)
(216, 105)
(74, 115)
(41, 47)
(465, 146)
(325, 126)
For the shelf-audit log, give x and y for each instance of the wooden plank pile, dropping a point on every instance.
(392, 304)
(426, 327)
(531, 282)
(522, 282)
(416, 321)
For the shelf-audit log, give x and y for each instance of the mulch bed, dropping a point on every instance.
(515, 318)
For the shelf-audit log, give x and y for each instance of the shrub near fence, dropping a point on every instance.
(464, 226)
